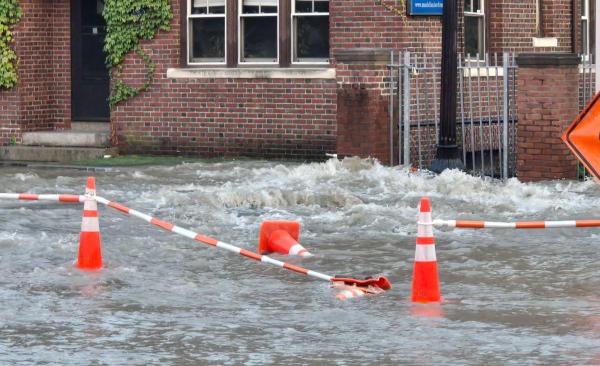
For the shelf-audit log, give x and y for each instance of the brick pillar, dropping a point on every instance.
(547, 101)
(362, 114)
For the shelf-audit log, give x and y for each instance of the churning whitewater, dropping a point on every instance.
(512, 297)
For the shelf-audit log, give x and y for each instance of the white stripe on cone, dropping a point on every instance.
(425, 253)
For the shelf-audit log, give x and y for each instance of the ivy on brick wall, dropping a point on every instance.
(128, 22)
(397, 6)
(10, 14)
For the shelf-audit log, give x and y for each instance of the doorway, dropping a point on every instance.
(89, 73)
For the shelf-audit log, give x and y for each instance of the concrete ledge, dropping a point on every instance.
(251, 73)
(547, 59)
(51, 154)
(66, 138)
(364, 56)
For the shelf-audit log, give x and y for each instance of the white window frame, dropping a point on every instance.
(191, 16)
(240, 41)
(293, 35)
(478, 14)
(586, 18)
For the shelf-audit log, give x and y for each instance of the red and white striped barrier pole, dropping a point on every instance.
(380, 282)
(64, 198)
(464, 224)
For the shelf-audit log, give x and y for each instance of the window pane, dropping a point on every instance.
(312, 38)
(216, 10)
(259, 6)
(250, 9)
(303, 6)
(583, 7)
(473, 35)
(208, 39)
(476, 6)
(259, 36)
(269, 9)
(468, 5)
(584, 38)
(199, 7)
(322, 6)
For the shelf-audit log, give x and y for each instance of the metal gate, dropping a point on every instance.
(486, 111)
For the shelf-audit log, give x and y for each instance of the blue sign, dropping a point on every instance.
(425, 7)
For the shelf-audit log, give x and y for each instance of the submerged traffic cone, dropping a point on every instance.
(90, 251)
(281, 237)
(426, 287)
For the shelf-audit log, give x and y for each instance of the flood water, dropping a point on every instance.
(513, 298)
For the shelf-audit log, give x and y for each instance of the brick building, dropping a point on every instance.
(268, 78)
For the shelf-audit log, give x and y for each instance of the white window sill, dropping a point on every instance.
(548, 42)
(250, 73)
(490, 71)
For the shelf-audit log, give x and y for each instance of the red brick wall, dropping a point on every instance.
(60, 80)
(547, 101)
(279, 118)
(368, 24)
(41, 99)
(362, 115)
(512, 25)
(10, 128)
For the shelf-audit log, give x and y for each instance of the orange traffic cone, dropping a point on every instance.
(281, 237)
(90, 251)
(426, 287)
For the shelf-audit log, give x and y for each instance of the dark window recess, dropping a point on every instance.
(312, 38)
(303, 6)
(259, 36)
(208, 40)
(474, 35)
(216, 10)
(322, 6)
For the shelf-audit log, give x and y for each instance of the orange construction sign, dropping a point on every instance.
(583, 137)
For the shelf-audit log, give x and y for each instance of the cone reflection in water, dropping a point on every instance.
(426, 286)
(90, 251)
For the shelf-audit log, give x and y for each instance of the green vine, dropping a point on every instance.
(128, 22)
(401, 11)
(10, 14)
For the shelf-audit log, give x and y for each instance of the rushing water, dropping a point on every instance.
(513, 298)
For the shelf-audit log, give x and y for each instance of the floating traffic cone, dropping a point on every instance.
(281, 237)
(426, 287)
(90, 251)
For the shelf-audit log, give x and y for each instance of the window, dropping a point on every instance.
(474, 28)
(587, 29)
(207, 32)
(256, 32)
(310, 31)
(259, 31)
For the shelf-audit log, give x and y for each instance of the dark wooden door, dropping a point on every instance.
(89, 74)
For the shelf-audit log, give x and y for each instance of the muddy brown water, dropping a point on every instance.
(514, 298)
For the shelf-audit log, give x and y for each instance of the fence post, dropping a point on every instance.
(406, 160)
(505, 64)
(391, 108)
